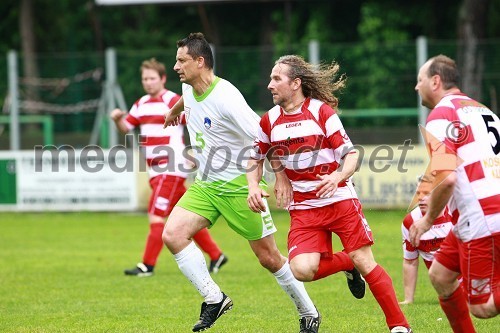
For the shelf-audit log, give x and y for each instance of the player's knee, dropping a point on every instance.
(303, 273)
(270, 262)
(483, 311)
(481, 314)
(166, 237)
(363, 261)
(437, 279)
(170, 235)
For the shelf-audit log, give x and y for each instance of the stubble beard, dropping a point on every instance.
(277, 100)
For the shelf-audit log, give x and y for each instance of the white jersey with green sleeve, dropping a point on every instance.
(222, 128)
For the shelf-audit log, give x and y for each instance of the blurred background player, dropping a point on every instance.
(430, 241)
(463, 135)
(167, 170)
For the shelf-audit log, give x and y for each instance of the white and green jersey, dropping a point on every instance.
(222, 128)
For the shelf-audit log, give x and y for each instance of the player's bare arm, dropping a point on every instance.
(117, 116)
(282, 187)
(172, 116)
(410, 273)
(440, 196)
(329, 183)
(255, 193)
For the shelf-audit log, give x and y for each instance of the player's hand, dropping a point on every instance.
(189, 164)
(327, 186)
(117, 114)
(254, 199)
(417, 229)
(171, 120)
(283, 191)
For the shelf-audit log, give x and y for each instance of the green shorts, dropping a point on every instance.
(210, 204)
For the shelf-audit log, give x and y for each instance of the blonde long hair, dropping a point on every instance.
(319, 82)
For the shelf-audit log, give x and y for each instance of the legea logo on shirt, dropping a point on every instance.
(207, 122)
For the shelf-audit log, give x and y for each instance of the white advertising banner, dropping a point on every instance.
(388, 175)
(106, 180)
(73, 180)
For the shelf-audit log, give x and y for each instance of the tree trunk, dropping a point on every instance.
(30, 67)
(95, 23)
(211, 32)
(266, 57)
(472, 23)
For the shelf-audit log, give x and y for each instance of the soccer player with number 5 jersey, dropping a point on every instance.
(463, 137)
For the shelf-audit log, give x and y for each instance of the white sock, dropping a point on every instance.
(192, 264)
(296, 290)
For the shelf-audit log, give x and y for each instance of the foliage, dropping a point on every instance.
(381, 58)
(374, 41)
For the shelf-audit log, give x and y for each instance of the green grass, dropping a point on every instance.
(64, 273)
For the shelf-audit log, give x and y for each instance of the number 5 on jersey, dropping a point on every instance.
(199, 140)
(492, 129)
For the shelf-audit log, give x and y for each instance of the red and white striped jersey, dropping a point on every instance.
(431, 240)
(163, 147)
(472, 132)
(310, 142)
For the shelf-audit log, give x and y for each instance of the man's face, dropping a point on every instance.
(152, 83)
(423, 193)
(424, 86)
(280, 85)
(187, 67)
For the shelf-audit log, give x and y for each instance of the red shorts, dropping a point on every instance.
(167, 190)
(427, 263)
(478, 262)
(311, 230)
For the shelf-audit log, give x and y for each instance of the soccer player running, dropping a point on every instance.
(464, 140)
(166, 173)
(431, 240)
(318, 156)
(222, 127)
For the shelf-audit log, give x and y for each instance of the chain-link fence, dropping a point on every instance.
(380, 77)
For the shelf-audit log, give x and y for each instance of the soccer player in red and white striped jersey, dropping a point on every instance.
(430, 241)
(164, 153)
(305, 132)
(463, 137)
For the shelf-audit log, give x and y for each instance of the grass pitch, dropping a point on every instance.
(63, 272)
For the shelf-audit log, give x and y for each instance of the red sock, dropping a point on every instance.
(207, 244)
(154, 244)
(328, 266)
(380, 284)
(457, 311)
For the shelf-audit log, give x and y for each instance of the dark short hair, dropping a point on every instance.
(446, 68)
(197, 46)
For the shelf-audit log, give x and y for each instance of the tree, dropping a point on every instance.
(382, 58)
(472, 27)
(28, 41)
(373, 40)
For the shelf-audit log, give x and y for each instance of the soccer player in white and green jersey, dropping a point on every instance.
(222, 128)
